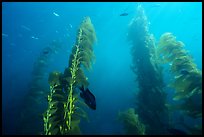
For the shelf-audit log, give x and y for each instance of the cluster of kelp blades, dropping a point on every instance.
(64, 105)
(187, 78)
(151, 113)
(34, 100)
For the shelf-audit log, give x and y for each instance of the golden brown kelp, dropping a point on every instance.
(69, 115)
(131, 122)
(187, 78)
(151, 98)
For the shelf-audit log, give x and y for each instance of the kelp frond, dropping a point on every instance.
(71, 108)
(187, 78)
(131, 122)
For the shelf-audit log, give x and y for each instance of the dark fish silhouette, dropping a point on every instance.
(174, 131)
(88, 97)
(124, 14)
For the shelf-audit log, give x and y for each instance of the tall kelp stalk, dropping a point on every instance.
(65, 108)
(151, 98)
(33, 102)
(187, 80)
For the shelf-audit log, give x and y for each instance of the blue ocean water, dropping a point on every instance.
(27, 28)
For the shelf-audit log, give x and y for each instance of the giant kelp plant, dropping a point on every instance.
(33, 102)
(187, 80)
(65, 107)
(151, 98)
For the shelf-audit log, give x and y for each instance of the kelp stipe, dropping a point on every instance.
(73, 77)
(53, 117)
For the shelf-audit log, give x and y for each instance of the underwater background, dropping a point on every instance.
(29, 27)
